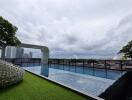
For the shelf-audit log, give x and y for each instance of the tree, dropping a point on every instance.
(7, 35)
(127, 50)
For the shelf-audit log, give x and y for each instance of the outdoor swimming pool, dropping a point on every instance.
(84, 80)
(103, 73)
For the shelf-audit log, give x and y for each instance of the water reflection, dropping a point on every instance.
(44, 70)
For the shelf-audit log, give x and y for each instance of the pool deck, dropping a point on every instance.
(88, 84)
(84, 83)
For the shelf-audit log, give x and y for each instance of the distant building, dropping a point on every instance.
(27, 55)
(19, 52)
(14, 52)
(120, 57)
(30, 54)
(8, 52)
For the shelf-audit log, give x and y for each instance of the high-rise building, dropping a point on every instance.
(13, 52)
(30, 54)
(19, 52)
(27, 55)
(8, 52)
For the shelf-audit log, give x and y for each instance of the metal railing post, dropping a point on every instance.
(48, 64)
(54, 63)
(75, 64)
(105, 67)
(63, 64)
(69, 64)
(58, 63)
(121, 65)
(83, 65)
(93, 68)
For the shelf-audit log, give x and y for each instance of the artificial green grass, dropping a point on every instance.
(36, 88)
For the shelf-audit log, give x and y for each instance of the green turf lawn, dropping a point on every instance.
(36, 88)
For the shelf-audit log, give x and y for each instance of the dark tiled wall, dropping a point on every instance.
(118, 91)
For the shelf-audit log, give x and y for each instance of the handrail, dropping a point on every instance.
(118, 65)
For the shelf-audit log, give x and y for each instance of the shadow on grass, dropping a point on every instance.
(4, 89)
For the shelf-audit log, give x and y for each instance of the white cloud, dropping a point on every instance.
(96, 28)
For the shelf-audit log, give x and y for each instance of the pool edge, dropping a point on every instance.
(90, 96)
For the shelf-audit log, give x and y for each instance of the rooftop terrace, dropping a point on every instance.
(36, 88)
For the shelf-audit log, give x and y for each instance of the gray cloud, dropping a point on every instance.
(96, 28)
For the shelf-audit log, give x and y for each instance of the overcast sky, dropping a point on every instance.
(72, 28)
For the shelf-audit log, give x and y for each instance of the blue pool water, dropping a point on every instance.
(86, 80)
(109, 74)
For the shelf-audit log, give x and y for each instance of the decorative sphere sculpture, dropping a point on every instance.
(10, 74)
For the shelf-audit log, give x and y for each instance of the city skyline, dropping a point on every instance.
(19, 52)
